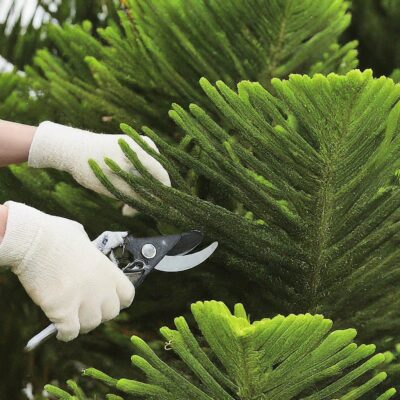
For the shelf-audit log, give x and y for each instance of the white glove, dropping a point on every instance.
(63, 272)
(69, 149)
(109, 240)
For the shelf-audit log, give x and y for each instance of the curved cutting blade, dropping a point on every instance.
(183, 263)
(188, 242)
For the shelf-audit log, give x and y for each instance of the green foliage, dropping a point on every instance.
(63, 197)
(134, 71)
(376, 24)
(57, 194)
(306, 184)
(298, 179)
(162, 48)
(16, 101)
(391, 365)
(19, 41)
(298, 356)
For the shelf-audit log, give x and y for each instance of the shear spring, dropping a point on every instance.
(167, 346)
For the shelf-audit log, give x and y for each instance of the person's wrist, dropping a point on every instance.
(3, 221)
(28, 133)
(15, 151)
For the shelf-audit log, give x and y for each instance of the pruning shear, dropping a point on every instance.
(138, 257)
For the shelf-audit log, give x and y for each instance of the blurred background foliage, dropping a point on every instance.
(19, 39)
(375, 24)
(97, 63)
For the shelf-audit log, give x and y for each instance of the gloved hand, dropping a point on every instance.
(69, 149)
(63, 272)
(109, 240)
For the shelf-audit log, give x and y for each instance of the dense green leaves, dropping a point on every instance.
(16, 101)
(19, 39)
(307, 189)
(18, 43)
(19, 183)
(376, 25)
(135, 71)
(293, 357)
(298, 182)
(163, 48)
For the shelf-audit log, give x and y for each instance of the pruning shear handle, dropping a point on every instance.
(138, 257)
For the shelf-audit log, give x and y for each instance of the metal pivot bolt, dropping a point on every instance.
(162, 253)
(149, 251)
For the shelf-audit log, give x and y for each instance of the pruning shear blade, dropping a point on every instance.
(181, 263)
(138, 257)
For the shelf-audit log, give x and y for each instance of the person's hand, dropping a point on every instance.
(63, 272)
(69, 149)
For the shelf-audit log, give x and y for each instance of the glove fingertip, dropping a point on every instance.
(126, 292)
(68, 330)
(110, 309)
(128, 211)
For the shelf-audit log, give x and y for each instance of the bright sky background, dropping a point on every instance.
(28, 7)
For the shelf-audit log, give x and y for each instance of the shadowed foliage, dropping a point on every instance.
(307, 187)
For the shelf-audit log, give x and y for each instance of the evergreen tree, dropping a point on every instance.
(19, 41)
(293, 357)
(307, 195)
(376, 24)
(297, 179)
(133, 72)
(20, 317)
(160, 49)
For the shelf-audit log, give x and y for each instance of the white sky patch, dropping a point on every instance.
(28, 9)
(5, 66)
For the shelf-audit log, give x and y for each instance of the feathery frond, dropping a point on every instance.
(293, 357)
(159, 52)
(306, 191)
(20, 37)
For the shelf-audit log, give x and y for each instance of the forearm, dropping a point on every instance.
(15, 142)
(3, 221)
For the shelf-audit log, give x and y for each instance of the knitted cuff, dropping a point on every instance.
(23, 231)
(56, 146)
